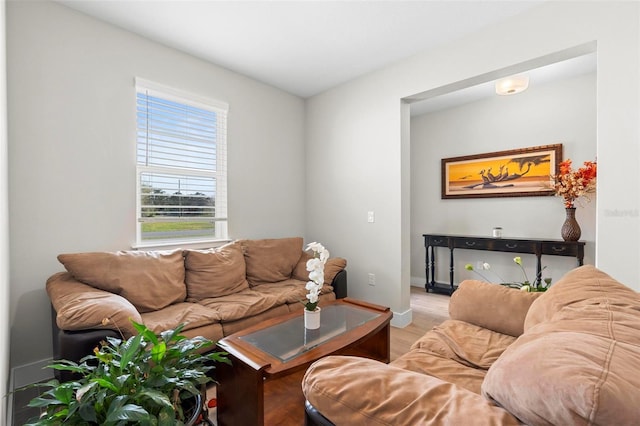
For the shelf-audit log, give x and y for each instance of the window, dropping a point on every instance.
(181, 166)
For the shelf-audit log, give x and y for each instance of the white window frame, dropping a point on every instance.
(220, 174)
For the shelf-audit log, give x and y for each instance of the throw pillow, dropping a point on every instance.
(331, 268)
(271, 260)
(150, 280)
(215, 272)
(491, 306)
(578, 285)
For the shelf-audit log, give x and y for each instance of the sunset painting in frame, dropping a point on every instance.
(515, 173)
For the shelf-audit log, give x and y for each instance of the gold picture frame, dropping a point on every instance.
(523, 172)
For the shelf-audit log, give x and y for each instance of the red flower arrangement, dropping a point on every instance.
(571, 185)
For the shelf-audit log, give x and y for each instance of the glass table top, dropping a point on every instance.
(290, 339)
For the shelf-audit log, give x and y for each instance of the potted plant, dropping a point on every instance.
(147, 379)
(315, 266)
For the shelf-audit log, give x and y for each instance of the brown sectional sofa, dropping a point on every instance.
(213, 292)
(568, 356)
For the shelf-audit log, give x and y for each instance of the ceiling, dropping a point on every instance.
(303, 47)
(537, 77)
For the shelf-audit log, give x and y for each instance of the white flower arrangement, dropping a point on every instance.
(526, 285)
(315, 266)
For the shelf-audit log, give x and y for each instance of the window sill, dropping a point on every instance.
(170, 245)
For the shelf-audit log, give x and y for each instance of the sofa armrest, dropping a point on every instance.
(353, 391)
(493, 306)
(75, 345)
(339, 284)
(78, 312)
(312, 417)
(79, 306)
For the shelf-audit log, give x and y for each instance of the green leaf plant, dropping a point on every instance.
(142, 380)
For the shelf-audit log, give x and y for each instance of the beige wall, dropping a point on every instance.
(559, 112)
(4, 225)
(72, 149)
(358, 129)
(71, 170)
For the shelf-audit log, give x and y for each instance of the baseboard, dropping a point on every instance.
(402, 319)
(31, 373)
(24, 375)
(9, 406)
(417, 282)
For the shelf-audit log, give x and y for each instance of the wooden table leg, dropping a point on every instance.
(240, 394)
(377, 346)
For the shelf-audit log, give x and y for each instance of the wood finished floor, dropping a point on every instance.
(428, 310)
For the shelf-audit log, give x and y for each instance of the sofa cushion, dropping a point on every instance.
(81, 307)
(491, 306)
(230, 327)
(300, 270)
(331, 268)
(360, 391)
(271, 260)
(457, 352)
(239, 305)
(211, 331)
(585, 284)
(191, 315)
(573, 366)
(215, 272)
(289, 291)
(448, 370)
(150, 280)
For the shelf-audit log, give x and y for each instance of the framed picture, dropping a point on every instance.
(520, 172)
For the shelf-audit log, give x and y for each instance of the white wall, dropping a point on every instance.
(4, 224)
(356, 128)
(74, 76)
(72, 149)
(560, 112)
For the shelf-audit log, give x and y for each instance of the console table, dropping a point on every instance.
(512, 245)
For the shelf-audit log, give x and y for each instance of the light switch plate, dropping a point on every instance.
(371, 217)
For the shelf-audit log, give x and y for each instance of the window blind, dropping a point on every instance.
(181, 165)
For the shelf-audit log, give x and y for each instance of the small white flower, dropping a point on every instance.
(324, 255)
(316, 247)
(315, 266)
(313, 296)
(319, 249)
(486, 266)
(317, 276)
(312, 286)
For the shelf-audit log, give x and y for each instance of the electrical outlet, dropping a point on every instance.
(372, 279)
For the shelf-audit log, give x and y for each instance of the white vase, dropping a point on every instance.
(312, 319)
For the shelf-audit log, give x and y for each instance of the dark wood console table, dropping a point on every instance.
(512, 245)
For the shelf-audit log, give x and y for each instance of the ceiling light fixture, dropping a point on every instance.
(512, 85)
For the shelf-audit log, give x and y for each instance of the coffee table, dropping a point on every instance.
(267, 354)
